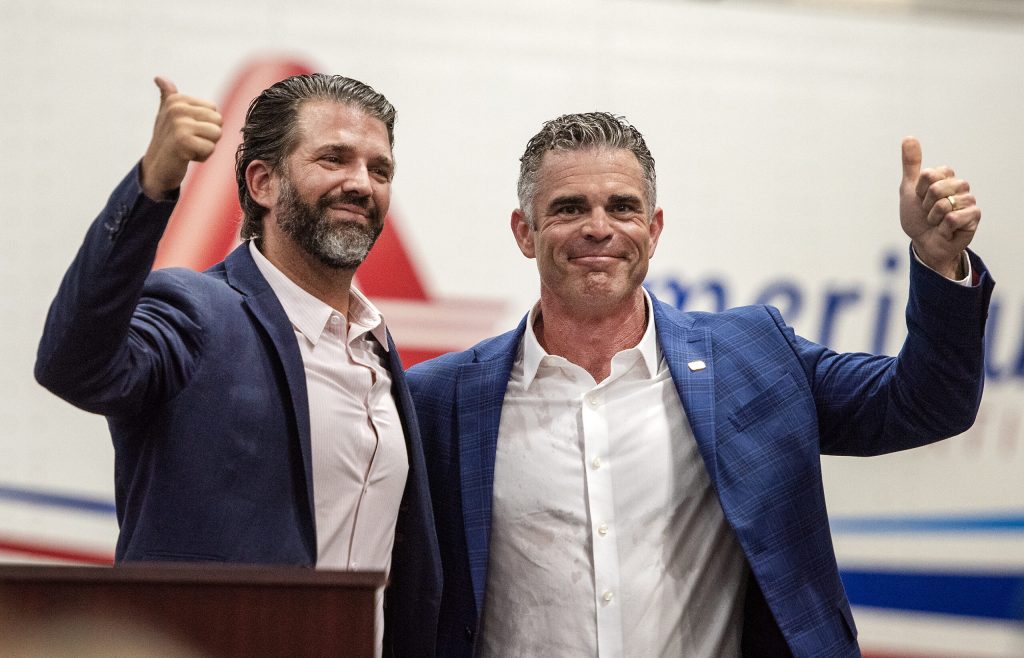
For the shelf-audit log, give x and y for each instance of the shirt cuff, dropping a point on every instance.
(967, 281)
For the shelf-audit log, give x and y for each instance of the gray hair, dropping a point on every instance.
(578, 132)
(270, 132)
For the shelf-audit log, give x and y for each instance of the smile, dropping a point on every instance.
(596, 258)
(350, 208)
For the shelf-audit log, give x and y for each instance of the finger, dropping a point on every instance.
(945, 188)
(962, 201)
(951, 205)
(193, 137)
(208, 115)
(208, 131)
(193, 101)
(198, 148)
(165, 86)
(930, 177)
(960, 222)
(182, 109)
(911, 159)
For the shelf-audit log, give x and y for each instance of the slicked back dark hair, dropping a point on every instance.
(271, 132)
(579, 132)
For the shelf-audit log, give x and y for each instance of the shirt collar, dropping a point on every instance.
(532, 354)
(310, 315)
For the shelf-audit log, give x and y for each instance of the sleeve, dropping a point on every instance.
(117, 338)
(869, 404)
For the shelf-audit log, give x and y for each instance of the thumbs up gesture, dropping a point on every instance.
(186, 129)
(937, 211)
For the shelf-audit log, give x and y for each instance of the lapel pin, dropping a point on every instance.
(694, 366)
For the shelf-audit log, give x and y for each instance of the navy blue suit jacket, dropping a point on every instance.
(765, 408)
(202, 383)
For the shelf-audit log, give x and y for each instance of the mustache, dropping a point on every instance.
(359, 200)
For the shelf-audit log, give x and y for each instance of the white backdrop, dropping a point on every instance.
(776, 133)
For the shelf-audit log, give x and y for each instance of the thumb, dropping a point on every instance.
(166, 87)
(911, 159)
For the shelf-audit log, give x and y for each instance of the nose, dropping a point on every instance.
(357, 181)
(597, 226)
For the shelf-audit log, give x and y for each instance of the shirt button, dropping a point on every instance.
(335, 320)
(602, 529)
(596, 463)
(593, 400)
(607, 596)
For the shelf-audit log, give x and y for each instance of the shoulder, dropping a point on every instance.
(484, 350)
(738, 319)
(445, 368)
(177, 277)
(183, 287)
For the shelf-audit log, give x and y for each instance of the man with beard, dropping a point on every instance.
(258, 410)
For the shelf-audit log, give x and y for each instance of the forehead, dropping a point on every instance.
(322, 122)
(596, 172)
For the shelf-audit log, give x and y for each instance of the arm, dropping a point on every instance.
(871, 404)
(98, 350)
(868, 404)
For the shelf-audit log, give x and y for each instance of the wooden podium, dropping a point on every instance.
(218, 610)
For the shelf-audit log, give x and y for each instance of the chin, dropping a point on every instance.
(603, 290)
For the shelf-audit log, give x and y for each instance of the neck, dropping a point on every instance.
(328, 284)
(591, 337)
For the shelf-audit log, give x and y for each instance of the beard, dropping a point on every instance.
(339, 244)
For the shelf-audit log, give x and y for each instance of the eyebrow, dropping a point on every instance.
(630, 199)
(568, 200)
(347, 150)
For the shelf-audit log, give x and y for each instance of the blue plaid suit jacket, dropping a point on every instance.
(765, 408)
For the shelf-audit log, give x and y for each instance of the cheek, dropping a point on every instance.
(641, 237)
(382, 197)
(547, 249)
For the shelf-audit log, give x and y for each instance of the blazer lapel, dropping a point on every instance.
(688, 353)
(480, 393)
(244, 276)
(403, 400)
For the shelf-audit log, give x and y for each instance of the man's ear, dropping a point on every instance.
(260, 181)
(657, 224)
(524, 234)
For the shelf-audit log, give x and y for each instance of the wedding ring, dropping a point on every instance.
(952, 202)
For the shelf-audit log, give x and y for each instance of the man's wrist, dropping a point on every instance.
(962, 275)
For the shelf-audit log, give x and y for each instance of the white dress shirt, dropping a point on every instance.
(360, 462)
(606, 536)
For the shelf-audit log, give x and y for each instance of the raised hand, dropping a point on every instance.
(937, 211)
(186, 130)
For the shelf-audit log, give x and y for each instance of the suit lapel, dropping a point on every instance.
(244, 276)
(480, 393)
(684, 346)
(416, 498)
(403, 399)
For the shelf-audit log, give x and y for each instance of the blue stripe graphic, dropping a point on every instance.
(45, 499)
(997, 596)
(1001, 523)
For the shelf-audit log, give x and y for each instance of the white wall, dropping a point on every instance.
(776, 133)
